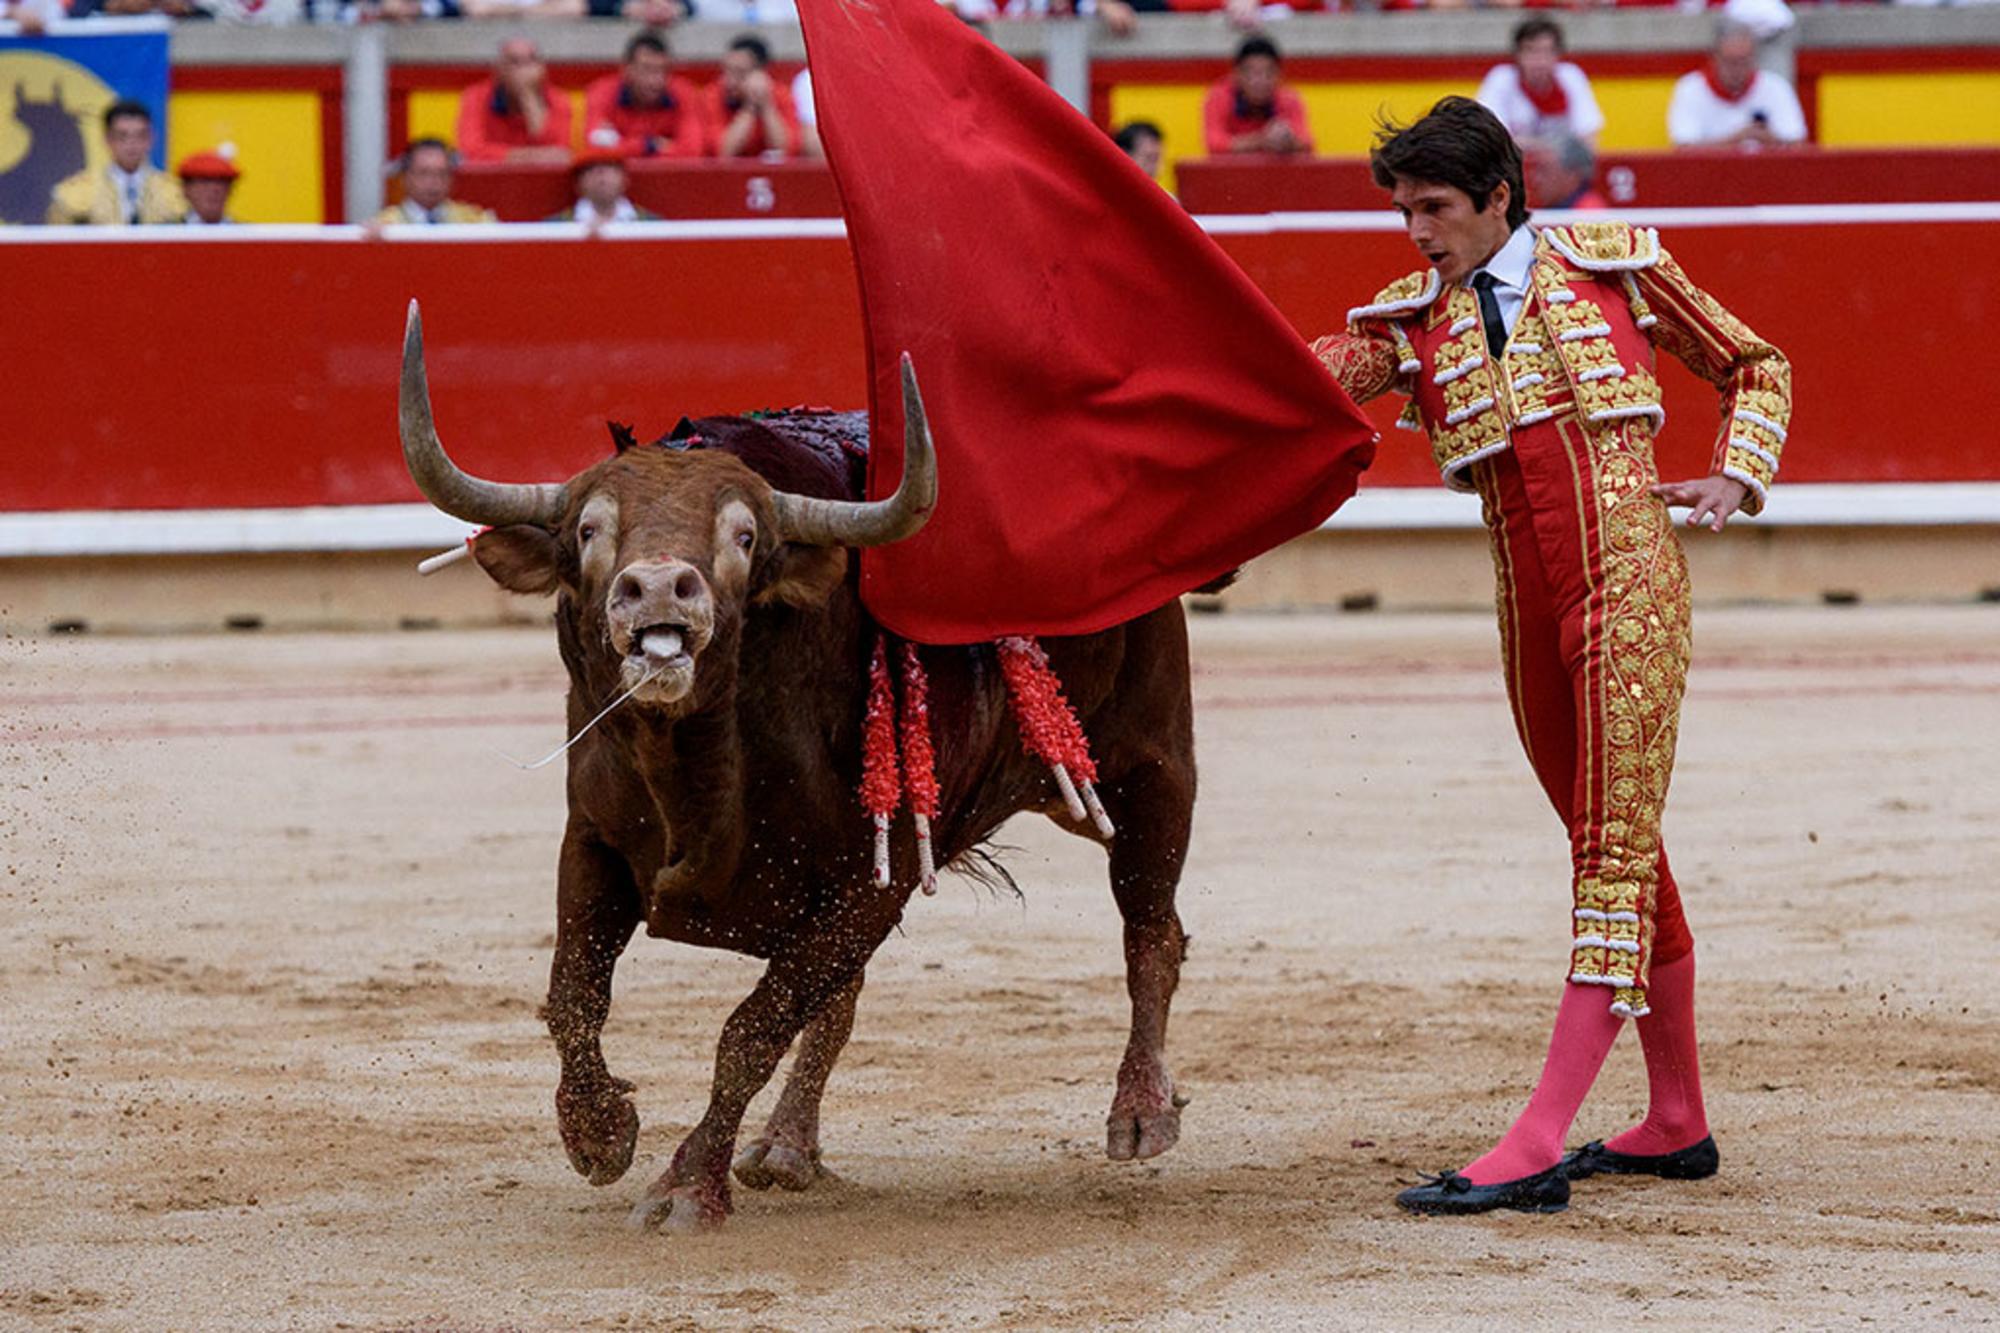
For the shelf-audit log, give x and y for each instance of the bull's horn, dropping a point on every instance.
(815, 522)
(493, 503)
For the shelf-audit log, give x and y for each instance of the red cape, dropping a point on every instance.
(1120, 414)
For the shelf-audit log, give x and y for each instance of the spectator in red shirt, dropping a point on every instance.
(645, 110)
(515, 116)
(1251, 111)
(748, 113)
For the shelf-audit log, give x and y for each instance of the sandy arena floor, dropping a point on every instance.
(277, 919)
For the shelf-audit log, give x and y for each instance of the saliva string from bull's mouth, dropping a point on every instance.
(659, 667)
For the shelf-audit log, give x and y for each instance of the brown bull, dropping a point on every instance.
(718, 804)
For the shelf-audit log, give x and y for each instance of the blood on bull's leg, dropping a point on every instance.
(1153, 807)
(787, 1152)
(597, 909)
(693, 1192)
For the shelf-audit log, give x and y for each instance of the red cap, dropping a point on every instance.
(596, 157)
(207, 167)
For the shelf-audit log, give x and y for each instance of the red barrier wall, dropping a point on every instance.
(733, 189)
(1689, 178)
(252, 372)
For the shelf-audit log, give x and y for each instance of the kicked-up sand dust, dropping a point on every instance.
(277, 917)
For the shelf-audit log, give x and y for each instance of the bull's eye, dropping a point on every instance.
(586, 531)
(746, 539)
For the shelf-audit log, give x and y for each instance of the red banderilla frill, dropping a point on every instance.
(1049, 729)
(881, 788)
(919, 762)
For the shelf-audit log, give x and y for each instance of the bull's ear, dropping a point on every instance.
(804, 576)
(520, 558)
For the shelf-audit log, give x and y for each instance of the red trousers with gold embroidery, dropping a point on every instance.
(1594, 631)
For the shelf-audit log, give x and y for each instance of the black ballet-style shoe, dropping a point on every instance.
(1698, 1161)
(1452, 1194)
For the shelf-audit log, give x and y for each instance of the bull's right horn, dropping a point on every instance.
(812, 521)
(459, 494)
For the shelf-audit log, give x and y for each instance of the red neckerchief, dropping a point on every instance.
(1552, 102)
(1715, 85)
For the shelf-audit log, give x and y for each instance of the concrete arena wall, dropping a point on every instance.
(1420, 570)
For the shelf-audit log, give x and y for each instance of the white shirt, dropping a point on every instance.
(749, 11)
(1697, 116)
(416, 212)
(622, 211)
(802, 97)
(131, 186)
(1509, 266)
(1501, 93)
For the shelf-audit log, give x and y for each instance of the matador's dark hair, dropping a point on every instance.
(1458, 143)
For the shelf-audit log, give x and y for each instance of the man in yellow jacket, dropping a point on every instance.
(128, 190)
(428, 166)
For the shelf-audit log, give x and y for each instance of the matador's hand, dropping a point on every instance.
(1710, 500)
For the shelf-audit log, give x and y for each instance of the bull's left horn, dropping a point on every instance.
(459, 494)
(815, 522)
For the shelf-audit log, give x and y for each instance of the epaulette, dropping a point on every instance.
(1605, 247)
(1404, 296)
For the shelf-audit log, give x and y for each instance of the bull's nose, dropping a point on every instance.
(658, 589)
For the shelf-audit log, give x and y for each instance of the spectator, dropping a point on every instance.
(126, 191)
(516, 115)
(598, 178)
(1246, 15)
(1732, 101)
(750, 13)
(206, 180)
(1539, 96)
(1562, 173)
(652, 13)
(34, 16)
(645, 109)
(1251, 111)
(1142, 142)
(1118, 16)
(749, 115)
(396, 11)
(427, 166)
(524, 9)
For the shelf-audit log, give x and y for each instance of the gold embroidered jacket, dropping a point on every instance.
(1602, 296)
(90, 199)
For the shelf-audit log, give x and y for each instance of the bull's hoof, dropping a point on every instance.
(682, 1209)
(600, 1129)
(765, 1163)
(1145, 1117)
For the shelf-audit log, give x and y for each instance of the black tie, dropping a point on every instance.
(1489, 311)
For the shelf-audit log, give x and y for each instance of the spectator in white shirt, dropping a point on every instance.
(1731, 101)
(1538, 95)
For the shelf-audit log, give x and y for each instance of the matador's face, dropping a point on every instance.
(1447, 230)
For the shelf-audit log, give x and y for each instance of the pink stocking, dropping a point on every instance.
(1675, 1118)
(1585, 1029)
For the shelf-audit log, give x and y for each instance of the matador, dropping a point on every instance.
(1527, 356)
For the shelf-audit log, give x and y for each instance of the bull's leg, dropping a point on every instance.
(694, 1191)
(597, 909)
(787, 1152)
(1153, 807)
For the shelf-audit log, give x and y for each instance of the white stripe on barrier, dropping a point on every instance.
(418, 527)
(1803, 504)
(395, 527)
(724, 229)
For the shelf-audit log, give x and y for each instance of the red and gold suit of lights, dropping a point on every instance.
(1556, 436)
